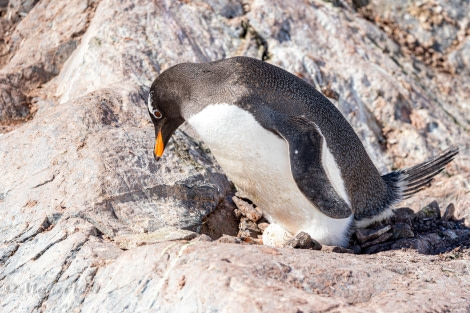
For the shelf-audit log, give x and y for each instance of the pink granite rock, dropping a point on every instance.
(90, 223)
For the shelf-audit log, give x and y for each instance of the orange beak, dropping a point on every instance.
(159, 145)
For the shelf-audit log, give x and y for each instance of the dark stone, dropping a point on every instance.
(381, 239)
(429, 212)
(403, 215)
(356, 248)
(449, 212)
(303, 241)
(364, 235)
(337, 249)
(401, 230)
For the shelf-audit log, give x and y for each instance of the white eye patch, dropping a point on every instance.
(149, 101)
(157, 114)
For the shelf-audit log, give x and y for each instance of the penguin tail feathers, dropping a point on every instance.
(406, 182)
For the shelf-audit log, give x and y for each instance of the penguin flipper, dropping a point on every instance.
(305, 149)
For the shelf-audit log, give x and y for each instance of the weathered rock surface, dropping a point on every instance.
(205, 277)
(80, 192)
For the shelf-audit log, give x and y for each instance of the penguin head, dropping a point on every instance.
(184, 90)
(164, 107)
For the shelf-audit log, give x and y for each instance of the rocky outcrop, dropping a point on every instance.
(35, 45)
(90, 222)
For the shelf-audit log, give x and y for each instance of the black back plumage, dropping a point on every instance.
(281, 92)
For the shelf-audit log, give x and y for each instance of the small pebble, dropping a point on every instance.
(203, 237)
(449, 212)
(402, 230)
(229, 239)
(303, 241)
(238, 213)
(262, 226)
(337, 249)
(255, 241)
(247, 209)
(356, 248)
(451, 234)
(248, 228)
(431, 211)
(381, 239)
(364, 235)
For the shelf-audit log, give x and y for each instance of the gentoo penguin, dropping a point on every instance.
(284, 145)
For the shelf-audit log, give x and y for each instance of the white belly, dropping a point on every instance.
(257, 162)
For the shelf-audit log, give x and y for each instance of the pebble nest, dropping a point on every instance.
(431, 230)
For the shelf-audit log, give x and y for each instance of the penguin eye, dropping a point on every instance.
(157, 114)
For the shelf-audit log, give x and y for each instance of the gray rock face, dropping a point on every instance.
(80, 191)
